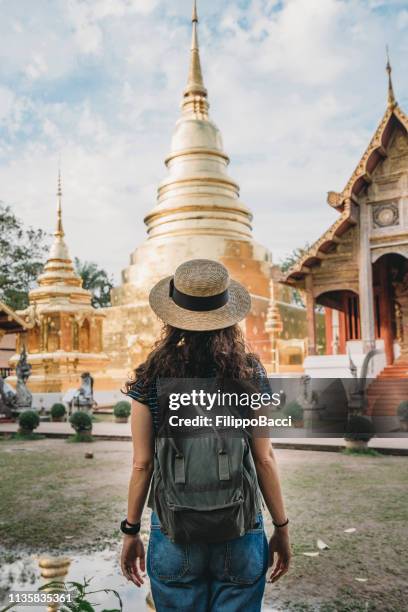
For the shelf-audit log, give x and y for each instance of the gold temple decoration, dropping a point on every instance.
(274, 327)
(391, 97)
(65, 337)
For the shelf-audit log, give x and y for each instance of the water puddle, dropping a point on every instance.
(102, 566)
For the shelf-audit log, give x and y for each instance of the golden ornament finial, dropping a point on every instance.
(195, 84)
(195, 13)
(59, 230)
(391, 96)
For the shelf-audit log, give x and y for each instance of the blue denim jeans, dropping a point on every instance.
(226, 577)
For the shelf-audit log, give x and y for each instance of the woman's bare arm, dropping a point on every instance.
(142, 468)
(133, 553)
(268, 478)
(269, 482)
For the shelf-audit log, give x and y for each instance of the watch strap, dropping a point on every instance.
(129, 528)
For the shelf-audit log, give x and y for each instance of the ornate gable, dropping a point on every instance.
(347, 201)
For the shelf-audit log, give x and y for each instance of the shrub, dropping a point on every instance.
(28, 420)
(359, 427)
(81, 422)
(294, 410)
(121, 409)
(58, 411)
(402, 410)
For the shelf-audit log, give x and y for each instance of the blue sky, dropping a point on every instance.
(296, 86)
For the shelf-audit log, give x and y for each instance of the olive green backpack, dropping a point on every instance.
(204, 486)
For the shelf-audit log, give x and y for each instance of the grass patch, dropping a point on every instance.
(53, 498)
(26, 436)
(80, 437)
(364, 452)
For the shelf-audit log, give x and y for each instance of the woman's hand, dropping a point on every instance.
(133, 559)
(279, 554)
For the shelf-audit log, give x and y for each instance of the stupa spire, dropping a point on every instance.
(58, 269)
(59, 249)
(195, 94)
(59, 232)
(392, 103)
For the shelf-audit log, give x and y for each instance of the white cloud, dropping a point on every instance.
(37, 67)
(6, 102)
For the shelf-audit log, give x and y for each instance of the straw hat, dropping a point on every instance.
(200, 296)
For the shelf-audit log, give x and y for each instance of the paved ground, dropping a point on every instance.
(121, 431)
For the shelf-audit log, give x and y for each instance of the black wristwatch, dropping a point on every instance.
(129, 528)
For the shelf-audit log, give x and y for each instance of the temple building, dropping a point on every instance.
(198, 214)
(64, 335)
(11, 324)
(358, 269)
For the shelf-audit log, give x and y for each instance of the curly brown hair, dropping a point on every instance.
(193, 354)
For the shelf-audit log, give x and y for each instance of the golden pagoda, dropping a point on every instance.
(65, 336)
(198, 214)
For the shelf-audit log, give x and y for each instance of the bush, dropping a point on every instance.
(402, 411)
(359, 427)
(121, 409)
(81, 422)
(294, 410)
(28, 420)
(58, 411)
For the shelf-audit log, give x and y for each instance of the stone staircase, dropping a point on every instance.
(388, 390)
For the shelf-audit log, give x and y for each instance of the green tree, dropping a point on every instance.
(96, 280)
(287, 263)
(290, 260)
(22, 257)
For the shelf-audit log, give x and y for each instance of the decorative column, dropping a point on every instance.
(310, 316)
(403, 301)
(366, 296)
(401, 293)
(274, 327)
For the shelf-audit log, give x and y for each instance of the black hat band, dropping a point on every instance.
(195, 302)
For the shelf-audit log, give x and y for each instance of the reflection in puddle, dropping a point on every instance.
(102, 566)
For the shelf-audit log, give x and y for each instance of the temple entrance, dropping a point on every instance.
(342, 319)
(391, 303)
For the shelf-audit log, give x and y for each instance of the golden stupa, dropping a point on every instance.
(198, 214)
(65, 335)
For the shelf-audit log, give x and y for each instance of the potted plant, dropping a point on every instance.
(294, 410)
(402, 412)
(82, 423)
(359, 431)
(58, 412)
(121, 412)
(28, 421)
